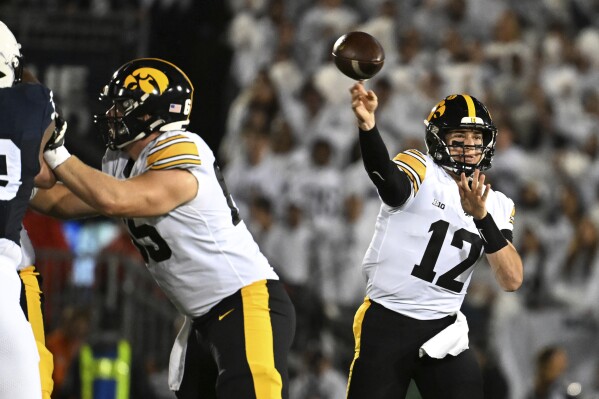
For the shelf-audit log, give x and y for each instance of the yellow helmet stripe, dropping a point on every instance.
(471, 109)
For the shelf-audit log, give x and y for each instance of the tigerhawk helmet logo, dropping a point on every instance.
(438, 110)
(148, 80)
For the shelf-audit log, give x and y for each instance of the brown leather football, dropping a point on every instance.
(358, 55)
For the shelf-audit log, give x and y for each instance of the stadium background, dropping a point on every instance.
(275, 110)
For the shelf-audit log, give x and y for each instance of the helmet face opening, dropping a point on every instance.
(144, 96)
(116, 131)
(460, 112)
(121, 121)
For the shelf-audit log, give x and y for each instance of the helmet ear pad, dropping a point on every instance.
(435, 143)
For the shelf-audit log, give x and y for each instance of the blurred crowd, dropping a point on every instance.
(294, 168)
(291, 160)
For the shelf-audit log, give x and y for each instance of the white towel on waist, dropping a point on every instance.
(176, 363)
(451, 340)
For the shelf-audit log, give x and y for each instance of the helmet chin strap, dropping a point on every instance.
(155, 125)
(136, 138)
(151, 128)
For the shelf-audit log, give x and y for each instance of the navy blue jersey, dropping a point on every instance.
(26, 110)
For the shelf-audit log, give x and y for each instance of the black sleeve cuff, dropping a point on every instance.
(492, 237)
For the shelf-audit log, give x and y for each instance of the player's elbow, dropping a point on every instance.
(123, 206)
(512, 286)
(108, 206)
(513, 282)
(45, 178)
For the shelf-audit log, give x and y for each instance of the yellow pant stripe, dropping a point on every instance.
(34, 315)
(358, 319)
(259, 341)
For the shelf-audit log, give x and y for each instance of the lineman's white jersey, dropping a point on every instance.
(200, 252)
(422, 254)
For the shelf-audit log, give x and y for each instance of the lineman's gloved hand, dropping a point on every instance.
(55, 152)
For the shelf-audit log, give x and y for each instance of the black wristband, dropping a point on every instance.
(490, 233)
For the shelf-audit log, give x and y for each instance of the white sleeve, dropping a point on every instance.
(27, 250)
(504, 212)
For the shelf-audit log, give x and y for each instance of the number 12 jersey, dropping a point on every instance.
(422, 255)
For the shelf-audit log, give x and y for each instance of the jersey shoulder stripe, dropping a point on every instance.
(160, 143)
(413, 163)
(177, 151)
(418, 154)
(175, 162)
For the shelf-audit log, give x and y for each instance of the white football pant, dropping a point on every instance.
(19, 359)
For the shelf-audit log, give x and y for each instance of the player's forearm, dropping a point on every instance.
(102, 192)
(45, 178)
(60, 203)
(393, 186)
(507, 267)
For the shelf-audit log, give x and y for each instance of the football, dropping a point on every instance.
(358, 55)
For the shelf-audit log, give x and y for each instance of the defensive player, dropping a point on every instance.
(166, 186)
(26, 123)
(436, 219)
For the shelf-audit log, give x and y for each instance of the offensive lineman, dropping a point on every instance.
(165, 184)
(26, 124)
(437, 217)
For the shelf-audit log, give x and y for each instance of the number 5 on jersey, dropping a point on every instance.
(158, 250)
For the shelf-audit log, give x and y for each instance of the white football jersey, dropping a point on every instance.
(422, 254)
(200, 252)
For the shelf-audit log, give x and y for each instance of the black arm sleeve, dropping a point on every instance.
(393, 185)
(508, 234)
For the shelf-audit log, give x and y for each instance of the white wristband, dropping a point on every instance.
(56, 157)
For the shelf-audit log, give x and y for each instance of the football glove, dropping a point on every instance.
(55, 152)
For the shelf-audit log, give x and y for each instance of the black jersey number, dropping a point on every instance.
(159, 250)
(425, 270)
(235, 218)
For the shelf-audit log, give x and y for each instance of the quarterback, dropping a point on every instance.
(437, 218)
(166, 186)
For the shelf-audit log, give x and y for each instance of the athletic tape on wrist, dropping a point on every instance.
(490, 233)
(56, 157)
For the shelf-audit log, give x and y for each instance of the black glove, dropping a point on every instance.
(55, 152)
(57, 138)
